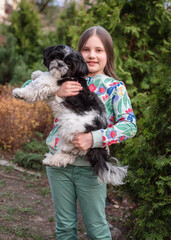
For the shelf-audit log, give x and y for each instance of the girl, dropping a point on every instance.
(77, 181)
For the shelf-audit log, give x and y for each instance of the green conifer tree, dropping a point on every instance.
(11, 62)
(25, 26)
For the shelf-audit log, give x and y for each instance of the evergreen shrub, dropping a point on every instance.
(26, 28)
(31, 154)
(149, 163)
(12, 66)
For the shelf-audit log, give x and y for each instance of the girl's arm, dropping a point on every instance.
(27, 83)
(125, 121)
(122, 129)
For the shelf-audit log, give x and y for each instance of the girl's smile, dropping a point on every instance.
(90, 63)
(95, 55)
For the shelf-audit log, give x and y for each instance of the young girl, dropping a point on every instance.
(77, 181)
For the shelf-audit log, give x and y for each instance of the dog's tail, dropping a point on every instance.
(106, 171)
(114, 175)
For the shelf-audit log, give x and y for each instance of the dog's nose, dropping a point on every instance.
(53, 67)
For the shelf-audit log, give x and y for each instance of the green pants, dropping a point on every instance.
(69, 184)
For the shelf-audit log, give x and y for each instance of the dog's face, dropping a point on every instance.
(65, 60)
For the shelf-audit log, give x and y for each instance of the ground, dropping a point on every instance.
(26, 208)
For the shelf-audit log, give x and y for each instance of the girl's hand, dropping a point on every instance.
(68, 89)
(83, 141)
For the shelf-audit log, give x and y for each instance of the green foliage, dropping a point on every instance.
(144, 38)
(21, 73)
(22, 52)
(67, 18)
(32, 153)
(12, 66)
(25, 26)
(149, 163)
(29, 160)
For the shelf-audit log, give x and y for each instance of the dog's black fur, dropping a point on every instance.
(84, 101)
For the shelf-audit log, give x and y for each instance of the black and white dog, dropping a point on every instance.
(82, 113)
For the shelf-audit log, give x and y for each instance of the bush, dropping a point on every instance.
(148, 158)
(26, 28)
(32, 153)
(12, 67)
(19, 120)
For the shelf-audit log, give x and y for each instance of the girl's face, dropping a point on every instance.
(94, 55)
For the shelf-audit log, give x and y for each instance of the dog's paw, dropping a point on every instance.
(48, 159)
(58, 160)
(46, 162)
(62, 159)
(36, 74)
(17, 93)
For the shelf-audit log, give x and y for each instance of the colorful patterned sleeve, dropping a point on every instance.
(122, 120)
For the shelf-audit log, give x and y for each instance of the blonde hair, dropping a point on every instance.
(107, 41)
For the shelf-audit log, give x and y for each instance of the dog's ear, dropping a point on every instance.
(46, 53)
(77, 65)
(81, 69)
(53, 52)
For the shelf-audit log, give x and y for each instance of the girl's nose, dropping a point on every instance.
(91, 54)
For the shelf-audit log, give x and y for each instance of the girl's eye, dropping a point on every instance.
(99, 50)
(85, 49)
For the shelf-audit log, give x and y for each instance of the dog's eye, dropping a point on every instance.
(60, 65)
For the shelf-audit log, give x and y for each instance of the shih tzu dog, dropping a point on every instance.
(84, 112)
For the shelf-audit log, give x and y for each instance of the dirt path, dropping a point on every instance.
(26, 208)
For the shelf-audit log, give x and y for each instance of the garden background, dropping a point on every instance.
(141, 36)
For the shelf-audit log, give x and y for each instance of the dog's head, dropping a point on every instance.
(65, 60)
